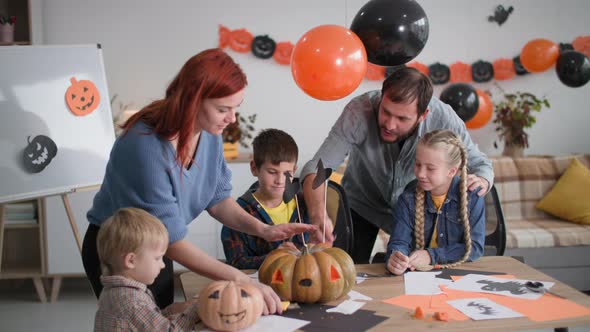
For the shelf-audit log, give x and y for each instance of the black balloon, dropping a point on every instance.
(393, 31)
(573, 69)
(462, 98)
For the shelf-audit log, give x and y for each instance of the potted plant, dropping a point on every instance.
(514, 114)
(238, 133)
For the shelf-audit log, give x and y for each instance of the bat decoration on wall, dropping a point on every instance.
(511, 286)
(484, 309)
(38, 153)
(500, 14)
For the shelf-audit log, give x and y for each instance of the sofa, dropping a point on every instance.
(557, 247)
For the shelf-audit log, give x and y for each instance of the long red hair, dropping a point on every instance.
(209, 74)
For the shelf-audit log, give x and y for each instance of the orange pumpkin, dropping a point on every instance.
(460, 72)
(314, 274)
(582, 45)
(283, 53)
(241, 40)
(82, 97)
(419, 66)
(504, 69)
(230, 306)
(224, 33)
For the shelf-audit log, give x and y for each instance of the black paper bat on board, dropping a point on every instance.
(321, 175)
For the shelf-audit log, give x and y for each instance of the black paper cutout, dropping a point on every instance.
(321, 175)
(484, 309)
(291, 188)
(320, 320)
(447, 273)
(38, 153)
(482, 71)
(518, 67)
(439, 73)
(500, 14)
(263, 47)
(513, 287)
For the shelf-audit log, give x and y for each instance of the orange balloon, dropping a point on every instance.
(484, 112)
(329, 62)
(539, 55)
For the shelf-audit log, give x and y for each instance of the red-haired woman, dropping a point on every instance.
(169, 161)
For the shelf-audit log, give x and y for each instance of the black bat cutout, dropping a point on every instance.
(484, 309)
(513, 287)
(500, 14)
(291, 188)
(321, 175)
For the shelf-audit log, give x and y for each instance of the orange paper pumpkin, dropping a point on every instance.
(283, 53)
(460, 72)
(230, 306)
(374, 72)
(539, 55)
(420, 66)
(241, 40)
(315, 274)
(484, 112)
(504, 69)
(82, 97)
(224, 36)
(582, 45)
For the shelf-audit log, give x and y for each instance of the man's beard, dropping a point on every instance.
(402, 137)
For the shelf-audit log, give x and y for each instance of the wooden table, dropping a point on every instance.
(399, 318)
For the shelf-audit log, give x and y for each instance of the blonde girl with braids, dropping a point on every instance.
(437, 221)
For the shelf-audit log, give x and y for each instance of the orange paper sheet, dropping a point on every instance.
(546, 308)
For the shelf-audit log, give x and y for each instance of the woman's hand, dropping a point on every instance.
(398, 263)
(419, 258)
(272, 302)
(285, 231)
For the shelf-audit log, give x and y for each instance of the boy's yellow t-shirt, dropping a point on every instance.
(280, 214)
(438, 202)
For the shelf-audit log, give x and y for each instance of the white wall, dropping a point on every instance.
(146, 42)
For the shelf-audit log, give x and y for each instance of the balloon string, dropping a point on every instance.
(299, 220)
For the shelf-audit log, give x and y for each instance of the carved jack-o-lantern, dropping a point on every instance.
(482, 71)
(263, 47)
(230, 306)
(315, 274)
(241, 40)
(82, 97)
(283, 52)
(439, 73)
(38, 153)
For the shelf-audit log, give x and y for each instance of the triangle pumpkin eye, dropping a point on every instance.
(277, 277)
(214, 295)
(334, 275)
(73, 96)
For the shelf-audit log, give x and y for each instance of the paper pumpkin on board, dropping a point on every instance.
(38, 153)
(263, 47)
(82, 97)
(230, 306)
(314, 274)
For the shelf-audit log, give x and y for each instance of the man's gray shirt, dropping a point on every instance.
(378, 172)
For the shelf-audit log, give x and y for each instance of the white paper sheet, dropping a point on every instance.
(254, 275)
(482, 308)
(347, 307)
(421, 283)
(499, 286)
(274, 323)
(356, 296)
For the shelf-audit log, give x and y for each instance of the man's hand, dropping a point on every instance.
(285, 231)
(419, 258)
(318, 235)
(398, 263)
(474, 182)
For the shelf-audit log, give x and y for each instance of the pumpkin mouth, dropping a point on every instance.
(83, 108)
(42, 158)
(233, 318)
(305, 282)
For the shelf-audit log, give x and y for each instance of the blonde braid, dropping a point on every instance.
(419, 219)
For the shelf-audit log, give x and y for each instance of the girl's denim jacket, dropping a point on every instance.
(451, 239)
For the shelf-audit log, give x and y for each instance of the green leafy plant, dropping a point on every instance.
(515, 113)
(242, 130)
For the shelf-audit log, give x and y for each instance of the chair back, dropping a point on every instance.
(495, 241)
(339, 211)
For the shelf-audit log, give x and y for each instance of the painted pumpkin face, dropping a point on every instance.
(230, 306)
(38, 153)
(263, 47)
(439, 73)
(283, 53)
(482, 71)
(241, 40)
(315, 274)
(82, 97)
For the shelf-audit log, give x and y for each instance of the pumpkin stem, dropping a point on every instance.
(305, 250)
(73, 80)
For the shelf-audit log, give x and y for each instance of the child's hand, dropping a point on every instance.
(288, 245)
(398, 263)
(419, 258)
